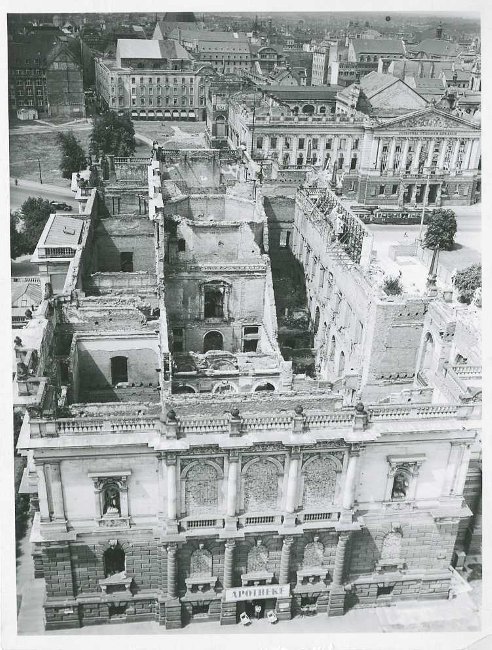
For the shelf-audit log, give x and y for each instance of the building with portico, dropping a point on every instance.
(177, 483)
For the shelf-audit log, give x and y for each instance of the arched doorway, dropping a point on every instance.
(308, 109)
(221, 126)
(213, 341)
(316, 320)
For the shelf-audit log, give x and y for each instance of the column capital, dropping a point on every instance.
(230, 544)
(288, 540)
(171, 548)
(355, 449)
(344, 536)
(171, 458)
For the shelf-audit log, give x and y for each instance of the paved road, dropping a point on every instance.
(24, 190)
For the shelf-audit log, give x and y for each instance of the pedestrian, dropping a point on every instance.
(257, 611)
(16, 182)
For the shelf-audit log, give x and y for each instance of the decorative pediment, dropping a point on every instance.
(429, 119)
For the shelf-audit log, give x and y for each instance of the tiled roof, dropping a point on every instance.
(132, 48)
(32, 291)
(437, 47)
(374, 82)
(377, 46)
(64, 231)
(297, 93)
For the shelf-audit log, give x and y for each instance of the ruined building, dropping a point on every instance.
(181, 468)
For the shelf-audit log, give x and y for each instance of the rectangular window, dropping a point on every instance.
(381, 189)
(151, 90)
(372, 191)
(384, 591)
(134, 91)
(394, 189)
(126, 262)
(273, 143)
(259, 143)
(301, 143)
(250, 338)
(315, 143)
(178, 339)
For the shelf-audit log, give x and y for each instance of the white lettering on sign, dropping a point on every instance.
(236, 594)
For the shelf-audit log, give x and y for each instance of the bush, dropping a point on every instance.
(441, 230)
(467, 282)
(392, 286)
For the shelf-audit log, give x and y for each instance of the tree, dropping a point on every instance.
(73, 156)
(112, 135)
(467, 282)
(35, 213)
(17, 239)
(441, 230)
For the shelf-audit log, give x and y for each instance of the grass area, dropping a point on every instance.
(191, 127)
(154, 130)
(27, 148)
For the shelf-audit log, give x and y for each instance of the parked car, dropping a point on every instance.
(59, 205)
(245, 619)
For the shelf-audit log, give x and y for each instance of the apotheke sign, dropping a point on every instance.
(237, 594)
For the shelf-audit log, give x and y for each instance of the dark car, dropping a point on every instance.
(59, 205)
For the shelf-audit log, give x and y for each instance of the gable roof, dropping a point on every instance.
(378, 46)
(374, 82)
(132, 48)
(30, 289)
(437, 47)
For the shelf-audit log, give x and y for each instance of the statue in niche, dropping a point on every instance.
(112, 501)
(400, 485)
(22, 372)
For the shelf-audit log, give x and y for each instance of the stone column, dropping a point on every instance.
(415, 162)
(348, 151)
(44, 509)
(404, 154)
(454, 158)
(451, 468)
(391, 156)
(232, 485)
(283, 574)
(336, 601)
(171, 492)
(228, 563)
(379, 156)
(442, 154)
(430, 153)
(161, 483)
(462, 469)
(468, 153)
(57, 492)
(291, 498)
(172, 550)
(475, 156)
(349, 487)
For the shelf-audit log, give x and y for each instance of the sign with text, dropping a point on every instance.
(237, 594)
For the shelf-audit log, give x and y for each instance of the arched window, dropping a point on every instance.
(332, 349)
(401, 483)
(221, 126)
(114, 560)
(213, 341)
(320, 480)
(308, 109)
(322, 110)
(119, 370)
(266, 386)
(260, 484)
(201, 562)
(182, 389)
(391, 549)
(201, 489)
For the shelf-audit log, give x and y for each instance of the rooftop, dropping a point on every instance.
(216, 37)
(298, 93)
(437, 47)
(378, 46)
(131, 48)
(64, 231)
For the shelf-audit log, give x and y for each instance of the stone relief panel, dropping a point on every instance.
(201, 490)
(257, 558)
(201, 562)
(313, 554)
(391, 549)
(320, 481)
(260, 486)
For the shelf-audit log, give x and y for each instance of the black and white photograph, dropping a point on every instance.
(243, 363)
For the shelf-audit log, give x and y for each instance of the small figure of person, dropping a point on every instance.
(16, 182)
(257, 611)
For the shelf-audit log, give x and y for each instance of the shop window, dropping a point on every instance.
(126, 262)
(199, 610)
(114, 560)
(119, 370)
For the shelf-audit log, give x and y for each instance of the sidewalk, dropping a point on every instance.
(45, 187)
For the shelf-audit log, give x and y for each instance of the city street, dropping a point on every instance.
(25, 189)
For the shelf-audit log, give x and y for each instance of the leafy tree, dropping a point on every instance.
(17, 239)
(467, 281)
(441, 230)
(94, 178)
(73, 156)
(35, 213)
(112, 134)
(392, 286)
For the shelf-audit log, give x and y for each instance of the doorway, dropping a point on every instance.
(119, 370)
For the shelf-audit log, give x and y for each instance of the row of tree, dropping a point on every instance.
(112, 134)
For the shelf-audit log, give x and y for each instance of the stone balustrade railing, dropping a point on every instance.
(467, 372)
(297, 422)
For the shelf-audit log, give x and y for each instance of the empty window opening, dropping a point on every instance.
(250, 338)
(181, 245)
(119, 370)
(384, 591)
(114, 560)
(214, 302)
(126, 262)
(213, 341)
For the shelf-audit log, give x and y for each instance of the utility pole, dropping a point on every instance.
(40, 177)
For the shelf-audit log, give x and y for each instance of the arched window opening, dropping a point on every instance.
(214, 302)
(213, 341)
(341, 364)
(332, 349)
(428, 352)
(260, 486)
(308, 109)
(401, 483)
(181, 390)
(267, 386)
(181, 245)
(119, 370)
(114, 560)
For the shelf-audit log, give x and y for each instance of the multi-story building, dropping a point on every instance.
(153, 80)
(403, 151)
(179, 475)
(45, 74)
